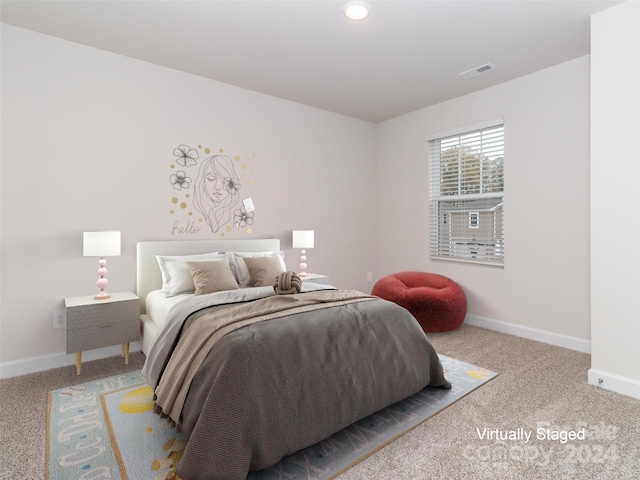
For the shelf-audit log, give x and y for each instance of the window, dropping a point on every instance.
(474, 219)
(466, 185)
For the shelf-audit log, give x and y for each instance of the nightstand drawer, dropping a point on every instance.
(316, 278)
(94, 315)
(81, 339)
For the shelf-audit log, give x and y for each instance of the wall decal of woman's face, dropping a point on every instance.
(217, 190)
(213, 185)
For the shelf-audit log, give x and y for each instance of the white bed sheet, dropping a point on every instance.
(158, 306)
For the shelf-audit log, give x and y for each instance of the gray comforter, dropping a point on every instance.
(276, 386)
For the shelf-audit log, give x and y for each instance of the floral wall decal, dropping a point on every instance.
(211, 202)
(180, 180)
(242, 218)
(186, 156)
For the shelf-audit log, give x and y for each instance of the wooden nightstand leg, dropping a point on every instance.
(125, 349)
(78, 363)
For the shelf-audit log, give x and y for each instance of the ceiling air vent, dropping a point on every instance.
(474, 72)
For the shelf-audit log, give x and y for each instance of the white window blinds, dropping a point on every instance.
(466, 196)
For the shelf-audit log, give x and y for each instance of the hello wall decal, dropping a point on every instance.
(207, 192)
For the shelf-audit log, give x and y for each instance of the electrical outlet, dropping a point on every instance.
(59, 319)
(369, 277)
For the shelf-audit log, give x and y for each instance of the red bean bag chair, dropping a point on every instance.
(437, 302)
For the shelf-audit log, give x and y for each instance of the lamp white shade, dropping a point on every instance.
(303, 239)
(101, 244)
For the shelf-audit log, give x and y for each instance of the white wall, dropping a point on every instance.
(87, 140)
(543, 290)
(86, 137)
(615, 198)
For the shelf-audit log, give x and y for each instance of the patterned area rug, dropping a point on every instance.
(106, 429)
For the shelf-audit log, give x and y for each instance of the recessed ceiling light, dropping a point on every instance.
(356, 10)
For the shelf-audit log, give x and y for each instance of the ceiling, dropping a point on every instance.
(406, 55)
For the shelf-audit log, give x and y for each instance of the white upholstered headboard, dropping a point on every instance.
(148, 271)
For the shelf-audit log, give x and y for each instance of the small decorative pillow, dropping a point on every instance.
(287, 283)
(210, 277)
(263, 270)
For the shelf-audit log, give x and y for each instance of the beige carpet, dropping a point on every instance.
(537, 383)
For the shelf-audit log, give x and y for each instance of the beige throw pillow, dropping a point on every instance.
(263, 270)
(239, 268)
(210, 277)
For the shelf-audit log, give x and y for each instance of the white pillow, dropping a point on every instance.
(176, 277)
(240, 270)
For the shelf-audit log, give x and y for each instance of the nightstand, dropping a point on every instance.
(316, 278)
(95, 323)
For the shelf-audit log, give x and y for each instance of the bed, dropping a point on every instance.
(149, 276)
(253, 373)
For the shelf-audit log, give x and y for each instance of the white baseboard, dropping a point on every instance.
(39, 364)
(607, 381)
(557, 339)
(614, 383)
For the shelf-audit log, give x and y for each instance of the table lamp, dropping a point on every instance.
(303, 239)
(101, 244)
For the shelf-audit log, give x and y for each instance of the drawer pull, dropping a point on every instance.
(106, 325)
